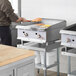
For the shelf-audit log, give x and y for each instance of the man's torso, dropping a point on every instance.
(4, 21)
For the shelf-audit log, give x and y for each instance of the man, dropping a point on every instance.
(7, 16)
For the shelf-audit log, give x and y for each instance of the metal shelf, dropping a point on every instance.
(71, 52)
(39, 47)
(40, 66)
(72, 73)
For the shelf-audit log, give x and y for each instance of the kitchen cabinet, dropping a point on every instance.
(19, 70)
(25, 71)
(7, 73)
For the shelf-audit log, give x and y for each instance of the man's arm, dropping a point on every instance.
(6, 7)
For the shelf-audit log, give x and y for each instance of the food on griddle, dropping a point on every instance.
(43, 25)
(37, 20)
(46, 26)
(40, 24)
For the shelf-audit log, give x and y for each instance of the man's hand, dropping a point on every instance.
(23, 20)
(19, 19)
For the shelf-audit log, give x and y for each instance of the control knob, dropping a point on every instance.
(26, 34)
(68, 40)
(39, 36)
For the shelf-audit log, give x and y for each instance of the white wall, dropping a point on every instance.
(61, 9)
(14, 5)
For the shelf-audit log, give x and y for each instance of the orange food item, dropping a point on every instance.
(40, 24)
(37, 20)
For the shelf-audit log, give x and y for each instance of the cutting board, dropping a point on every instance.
(10, 54)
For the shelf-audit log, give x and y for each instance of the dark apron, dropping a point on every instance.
(5, 35)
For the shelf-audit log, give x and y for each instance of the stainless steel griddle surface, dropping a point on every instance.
(71, 28)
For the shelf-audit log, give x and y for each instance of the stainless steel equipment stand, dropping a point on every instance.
(58, 64)
(70, 53)
(45, 67)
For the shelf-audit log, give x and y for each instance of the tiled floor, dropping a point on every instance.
(49, 73)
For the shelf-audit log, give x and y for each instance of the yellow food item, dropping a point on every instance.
(37, 20)
(46, 26)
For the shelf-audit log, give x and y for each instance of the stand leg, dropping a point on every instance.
(22, 42)
(58, 63)
(38, 71)
(69, 65)
(45, 70)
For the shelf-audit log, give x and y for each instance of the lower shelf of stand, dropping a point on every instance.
(72, 73)
(71, 52)
(40, 47)
(41, 66)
